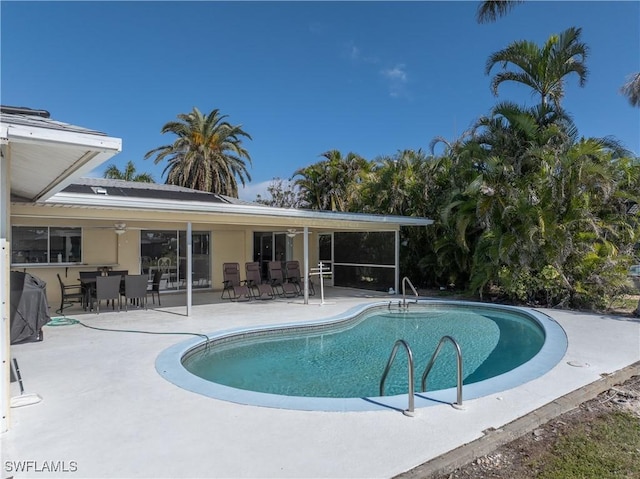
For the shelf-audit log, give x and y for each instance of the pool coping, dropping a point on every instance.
(169, 365)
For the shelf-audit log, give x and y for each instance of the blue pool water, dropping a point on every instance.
(337, 364)
(349, 362)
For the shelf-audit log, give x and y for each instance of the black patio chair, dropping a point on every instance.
(135, 290)
(155, 286)
(107, 288)
(70, 294)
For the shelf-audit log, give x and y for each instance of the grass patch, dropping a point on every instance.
(607, 447)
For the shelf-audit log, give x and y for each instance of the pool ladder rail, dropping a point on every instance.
(406, 281)
(410, 363)
(403, 304)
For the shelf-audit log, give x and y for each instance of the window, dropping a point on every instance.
(46, 245)
(169, 247)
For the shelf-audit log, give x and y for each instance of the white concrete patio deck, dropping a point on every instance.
(106, 412)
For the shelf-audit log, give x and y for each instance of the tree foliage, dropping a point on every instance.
(332, 183)
(128, 174)
(525, 209)
(207, 154)
(543, 69)
(282, 194)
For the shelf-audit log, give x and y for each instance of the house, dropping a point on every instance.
(54, 220)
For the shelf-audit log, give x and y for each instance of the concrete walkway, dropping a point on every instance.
(106, 412)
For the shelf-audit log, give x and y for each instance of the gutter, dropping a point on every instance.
(89, 200)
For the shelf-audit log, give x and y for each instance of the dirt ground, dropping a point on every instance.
(509, 461)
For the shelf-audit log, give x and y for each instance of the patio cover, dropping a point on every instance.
(38, 158)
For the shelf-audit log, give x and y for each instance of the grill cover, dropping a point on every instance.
(29, 307)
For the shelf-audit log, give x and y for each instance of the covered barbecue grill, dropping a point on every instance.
(29, 307)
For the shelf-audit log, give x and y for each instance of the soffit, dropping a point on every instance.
(45, 156)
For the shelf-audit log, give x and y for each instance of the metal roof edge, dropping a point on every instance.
(37, 134)
(85, 200)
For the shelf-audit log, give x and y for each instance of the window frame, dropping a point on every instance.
(15, 246)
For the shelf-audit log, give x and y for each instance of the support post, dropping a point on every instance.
(189, 278)
(306, 265)
(5, 264)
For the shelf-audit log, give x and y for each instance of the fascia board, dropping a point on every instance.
(86, 200)
(30, 134)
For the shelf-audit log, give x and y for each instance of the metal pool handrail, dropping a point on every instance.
(406, 280)
(427, 370)
(398, 343)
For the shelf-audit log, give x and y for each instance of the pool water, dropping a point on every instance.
(347, 360)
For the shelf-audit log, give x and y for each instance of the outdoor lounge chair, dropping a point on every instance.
(293, 276)
(259, 289)
(232, 285)
(278, 282)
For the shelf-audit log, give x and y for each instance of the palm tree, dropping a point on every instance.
(631, 89)
(207, 155)
(332, 183)
(491, 10)
(128, 174)
(542, 69)
(398, 184)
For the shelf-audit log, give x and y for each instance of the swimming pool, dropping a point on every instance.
(336, 364)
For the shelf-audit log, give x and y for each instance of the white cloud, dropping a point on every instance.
(397, 79)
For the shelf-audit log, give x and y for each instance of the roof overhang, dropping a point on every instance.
(43, 161)
(256, 211)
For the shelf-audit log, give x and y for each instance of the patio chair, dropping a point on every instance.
(88, 282)
(107, 288)
(232, 285)
(292, 269)
(169, 273)
(70, 294)
(277, 281)
(155, 287)
(254, 281)
(135, 290)
(119, 272)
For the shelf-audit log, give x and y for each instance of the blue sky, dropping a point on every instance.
(301, 77)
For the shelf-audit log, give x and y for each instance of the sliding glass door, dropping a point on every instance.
(166, 250)
(270, 246)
